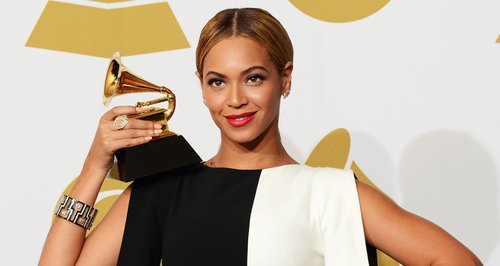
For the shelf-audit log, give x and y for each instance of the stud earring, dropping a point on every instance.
(287, 90)
(286, 93)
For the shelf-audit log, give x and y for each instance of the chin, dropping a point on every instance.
(242, 139)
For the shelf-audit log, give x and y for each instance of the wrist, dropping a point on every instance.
(92, 176)
(88, 183)
(93, 170)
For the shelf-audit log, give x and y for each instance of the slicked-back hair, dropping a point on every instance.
(252, 23)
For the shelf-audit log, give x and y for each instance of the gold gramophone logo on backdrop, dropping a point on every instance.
(101, 27)
(339, 10)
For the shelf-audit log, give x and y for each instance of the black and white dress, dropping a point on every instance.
(287, 215)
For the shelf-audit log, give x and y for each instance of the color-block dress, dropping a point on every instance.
(282, 216)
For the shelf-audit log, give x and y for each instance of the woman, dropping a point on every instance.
(251, 203)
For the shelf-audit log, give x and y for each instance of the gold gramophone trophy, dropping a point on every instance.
(166, 152)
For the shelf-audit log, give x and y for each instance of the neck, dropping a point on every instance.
(264, 152)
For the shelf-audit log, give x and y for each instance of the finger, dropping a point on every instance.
(130, 142)
(114, 140)
(120, 110)
(142, 124)
(134, 133)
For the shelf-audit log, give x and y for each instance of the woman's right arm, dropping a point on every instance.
(66, 243)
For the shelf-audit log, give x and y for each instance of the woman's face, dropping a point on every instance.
(242, 89)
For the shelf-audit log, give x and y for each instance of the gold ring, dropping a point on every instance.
(120, 122)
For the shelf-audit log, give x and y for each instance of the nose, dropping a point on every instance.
(237, 96)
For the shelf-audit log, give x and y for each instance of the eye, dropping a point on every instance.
(216, 83)
(255, 80)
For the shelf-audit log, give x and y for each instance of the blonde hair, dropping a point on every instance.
(252, 23)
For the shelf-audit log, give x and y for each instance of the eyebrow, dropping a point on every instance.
(248, 70)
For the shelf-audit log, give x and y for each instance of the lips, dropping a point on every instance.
(239, 120)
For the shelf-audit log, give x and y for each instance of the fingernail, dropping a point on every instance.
(148, 138)
(138, 109)
(157, 126)
(157, 131)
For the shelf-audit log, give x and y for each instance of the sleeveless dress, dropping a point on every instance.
(287, 215)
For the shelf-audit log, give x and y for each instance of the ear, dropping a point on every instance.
(286, 78)
(198, 74)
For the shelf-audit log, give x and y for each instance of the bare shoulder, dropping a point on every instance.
(102, 246)
(408, 238)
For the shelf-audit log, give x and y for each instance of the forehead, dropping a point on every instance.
(235, 54)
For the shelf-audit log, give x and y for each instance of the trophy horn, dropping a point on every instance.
(119, 80)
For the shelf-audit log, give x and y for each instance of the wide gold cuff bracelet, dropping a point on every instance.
(76, 212)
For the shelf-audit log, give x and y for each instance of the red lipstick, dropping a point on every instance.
(240, 120)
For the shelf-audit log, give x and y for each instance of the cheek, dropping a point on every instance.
(266, 97)
(212, 100)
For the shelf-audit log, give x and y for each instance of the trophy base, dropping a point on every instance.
(154, 157)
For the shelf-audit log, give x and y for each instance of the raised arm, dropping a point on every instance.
(66, 243)
(406, 237)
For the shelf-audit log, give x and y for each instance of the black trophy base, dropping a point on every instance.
(155, 157)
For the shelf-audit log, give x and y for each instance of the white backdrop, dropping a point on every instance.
(416, 84)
